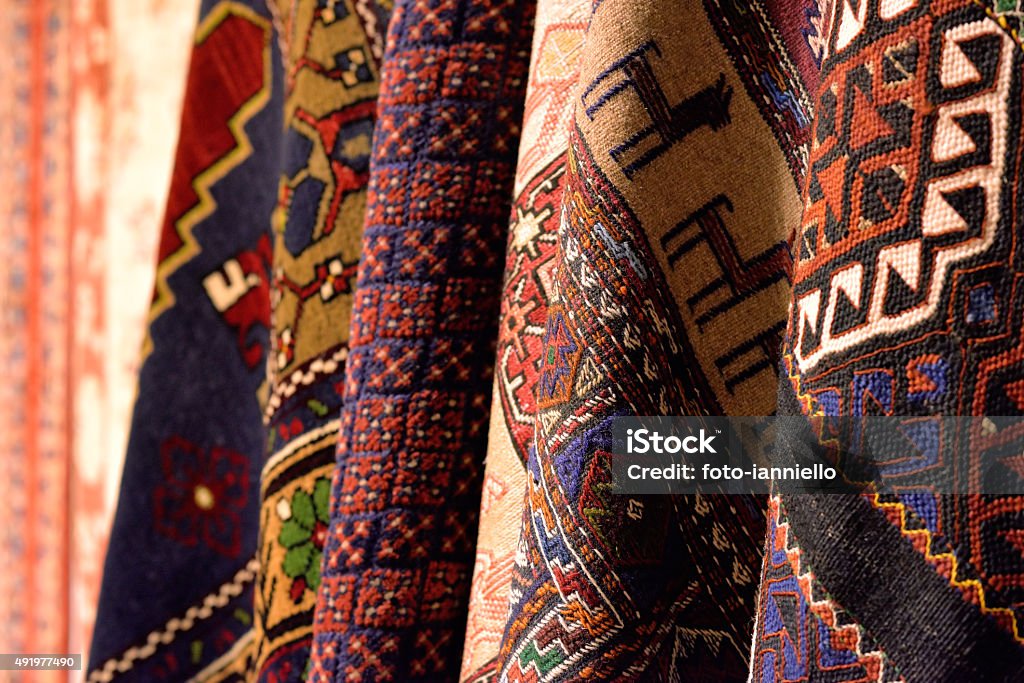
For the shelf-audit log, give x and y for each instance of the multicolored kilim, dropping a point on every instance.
(529, 270)
(176, 600)
(332, 54)
(399, 551)
(668, 296)
(907, 301)
(718, 208)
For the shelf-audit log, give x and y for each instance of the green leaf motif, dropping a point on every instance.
(293, 533)
(322, 499)
(297, 560)
(313, 573)
(302, 509)
(317, 407)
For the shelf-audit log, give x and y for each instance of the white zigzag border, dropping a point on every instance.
(211, 602)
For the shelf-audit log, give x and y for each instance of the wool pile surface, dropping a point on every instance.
(330, 69)
(177, 593)
(906, 302)
(399, 552)
(419, 257)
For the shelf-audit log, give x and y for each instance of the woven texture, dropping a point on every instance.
(332, 52)
(669, 296)
(529, 270)
(79, 160)
(121, 174)
(398, 556)
(35, 326)
(408, 277)
(906, 302)
(176, 600)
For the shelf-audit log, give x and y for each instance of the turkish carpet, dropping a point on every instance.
(408, 276)
(907, 301)
(529, 264)
(177, 593)
(398, 557)
(331, 61)
(668, 295)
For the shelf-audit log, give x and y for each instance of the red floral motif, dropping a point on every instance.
(202, 495)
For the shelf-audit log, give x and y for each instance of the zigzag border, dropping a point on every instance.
(164, 297)
(972, 589)
(921, 539)
(823, 609)
(210, 604)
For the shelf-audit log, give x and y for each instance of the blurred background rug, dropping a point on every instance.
(88, 125)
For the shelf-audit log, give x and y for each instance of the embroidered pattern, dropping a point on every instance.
(392, 602)
(906, 302)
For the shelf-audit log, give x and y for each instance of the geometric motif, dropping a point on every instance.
(239, 290)
(530, 260)
(668, 297)
(794, 642)
(775, 62)
(528, 283)
(906, 302)
(588, 575)
(869, 266)
(176, 600)
(406, 491)
(709, 106)
(225, 146)
(331, 77)
(659, 118)
(562, 354)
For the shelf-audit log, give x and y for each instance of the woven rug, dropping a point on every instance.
(176, 599)
(529, 265)
(399, 553)
(332, 52)
(121, 173)
(74, 113)
(35, 326)
(408, 277)
(669, 296)
(906, 302)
